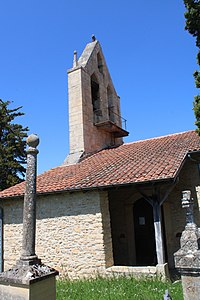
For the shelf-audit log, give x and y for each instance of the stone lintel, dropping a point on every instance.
(26, 275)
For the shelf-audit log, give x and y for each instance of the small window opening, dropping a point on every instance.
(110, 105)
(100, 63)
(95, 98)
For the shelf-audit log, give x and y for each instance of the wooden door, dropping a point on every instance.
(144, 233)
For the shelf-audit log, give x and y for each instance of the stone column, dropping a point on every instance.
(187, 258)
(29, 279)
(28, 255)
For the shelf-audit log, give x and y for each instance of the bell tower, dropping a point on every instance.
(95, 122)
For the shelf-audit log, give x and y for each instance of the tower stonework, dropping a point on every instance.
(94, 106)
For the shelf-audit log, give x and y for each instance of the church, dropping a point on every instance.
(111, 207)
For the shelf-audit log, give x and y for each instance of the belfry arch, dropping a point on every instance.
(95, 95)
(100, 63)
(110, 104)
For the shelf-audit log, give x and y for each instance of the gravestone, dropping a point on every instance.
(29, 279)
(187, 258)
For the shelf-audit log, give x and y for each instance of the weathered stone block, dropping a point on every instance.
(39, 290)
(191, 286)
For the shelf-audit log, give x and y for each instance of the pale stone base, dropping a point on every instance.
(40, 290)
(162, 271)
(132, 271)
(191, 287)
(148, 271)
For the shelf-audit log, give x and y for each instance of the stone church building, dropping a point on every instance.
(111, 206)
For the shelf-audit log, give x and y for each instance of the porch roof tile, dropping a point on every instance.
(141, 161)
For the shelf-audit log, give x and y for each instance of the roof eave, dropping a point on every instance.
(99, 187)
(110, 186)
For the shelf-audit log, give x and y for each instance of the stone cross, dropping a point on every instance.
(28, 256)
(187, 258)
(188, 203)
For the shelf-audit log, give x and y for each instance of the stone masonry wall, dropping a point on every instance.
(73, 232)
(75, 112)
(12, 231)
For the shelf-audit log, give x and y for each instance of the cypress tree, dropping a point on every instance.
(192, 16)
(12, 146)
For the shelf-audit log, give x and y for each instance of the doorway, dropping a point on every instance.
(144, 233)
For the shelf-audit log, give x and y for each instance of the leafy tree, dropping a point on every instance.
(192, 16)
(12, 146)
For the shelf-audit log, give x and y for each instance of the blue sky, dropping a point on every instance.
(150, 56)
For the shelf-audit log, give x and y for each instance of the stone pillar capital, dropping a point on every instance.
(32, 151)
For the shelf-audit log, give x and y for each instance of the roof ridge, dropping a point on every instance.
(159, 137)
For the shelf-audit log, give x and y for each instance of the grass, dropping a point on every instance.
(117, 289)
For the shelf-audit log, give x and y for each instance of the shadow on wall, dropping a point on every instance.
(54, 206)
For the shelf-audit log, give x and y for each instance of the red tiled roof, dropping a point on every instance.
(153, 159)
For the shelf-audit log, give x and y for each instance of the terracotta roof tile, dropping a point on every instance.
(141, 161)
